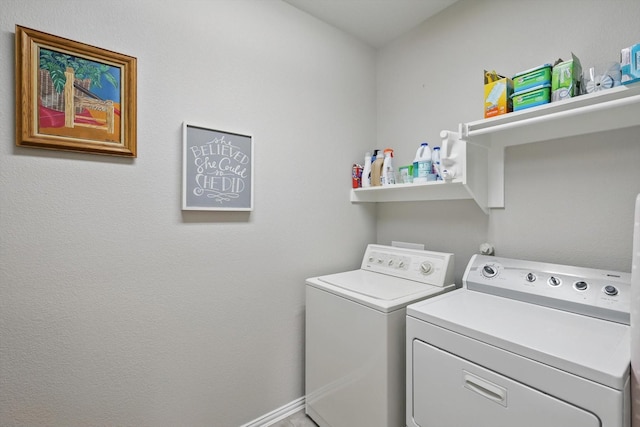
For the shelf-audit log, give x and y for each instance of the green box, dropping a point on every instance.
(566, 79)
(528, 79)
(531, 98)
(406, 174)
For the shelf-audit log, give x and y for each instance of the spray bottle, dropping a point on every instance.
(388, 173)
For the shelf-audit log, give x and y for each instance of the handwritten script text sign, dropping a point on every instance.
(217, 170)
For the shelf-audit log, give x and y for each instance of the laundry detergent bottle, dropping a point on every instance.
(388, 173)
(422, 164)
(376, 169)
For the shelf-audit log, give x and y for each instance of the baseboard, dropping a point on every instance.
(278, 414)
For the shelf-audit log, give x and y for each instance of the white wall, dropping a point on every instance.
(116, 308)
(566, 201)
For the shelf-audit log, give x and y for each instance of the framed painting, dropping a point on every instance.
(217, 170)
(72, 96)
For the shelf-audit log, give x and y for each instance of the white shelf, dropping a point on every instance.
(435, 190)
(616, 108)
(469, 182)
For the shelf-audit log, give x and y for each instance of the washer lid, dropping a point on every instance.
(591, 348)
(379, 291)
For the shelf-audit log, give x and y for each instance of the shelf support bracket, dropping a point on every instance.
(495, 174)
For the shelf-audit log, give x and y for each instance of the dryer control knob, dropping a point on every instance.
(581, 285)
(554, 281)
(489, 271)
(426, 267)
(530, 277)
(610, 290)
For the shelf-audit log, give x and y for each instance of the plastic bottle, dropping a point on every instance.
(422, 164)
(388, 173)
(435, 160)
(376, 169)
(366, 171)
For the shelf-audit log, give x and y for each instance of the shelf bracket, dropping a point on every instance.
(495, 176)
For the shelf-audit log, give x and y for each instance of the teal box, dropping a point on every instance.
(630, 64)
(528, 79)
(532, 97)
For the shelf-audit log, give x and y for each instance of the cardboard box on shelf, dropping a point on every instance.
(566, 79)
(497, 94)
(537, 76)
(531, 97)
(630, 64)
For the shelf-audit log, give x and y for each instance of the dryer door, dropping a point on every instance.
(449, 391)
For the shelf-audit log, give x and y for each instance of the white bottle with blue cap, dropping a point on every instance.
(422, 164)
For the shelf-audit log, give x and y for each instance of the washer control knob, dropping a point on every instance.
(390, 262)
(554, 281)
(489, 271)
(426, 267)
(530, 277)
(581, 286)
(401, 264)
(610, 290)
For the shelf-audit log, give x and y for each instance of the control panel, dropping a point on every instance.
(586, 291)
(434, 268)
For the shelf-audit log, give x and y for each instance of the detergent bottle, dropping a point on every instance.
(376, 169)
(422, 164)
(388, 173)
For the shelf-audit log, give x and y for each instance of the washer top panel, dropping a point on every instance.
(378, 291)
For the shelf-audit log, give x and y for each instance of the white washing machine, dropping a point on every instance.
(521, 344)
(355, 335)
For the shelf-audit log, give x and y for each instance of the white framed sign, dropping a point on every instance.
(217, 169)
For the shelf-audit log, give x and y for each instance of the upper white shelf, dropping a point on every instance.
(615, 108)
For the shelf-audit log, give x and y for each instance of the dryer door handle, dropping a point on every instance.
(485, 388)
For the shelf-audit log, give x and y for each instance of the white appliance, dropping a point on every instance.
(523, 344)
(355, 335)
(635, 320)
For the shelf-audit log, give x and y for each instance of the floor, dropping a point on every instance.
(299, 419)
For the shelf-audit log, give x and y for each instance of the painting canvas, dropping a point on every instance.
(73, 96)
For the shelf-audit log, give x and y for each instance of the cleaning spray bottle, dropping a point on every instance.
(388, 173)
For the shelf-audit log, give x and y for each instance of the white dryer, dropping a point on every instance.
(522, 344)
(355, 335)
